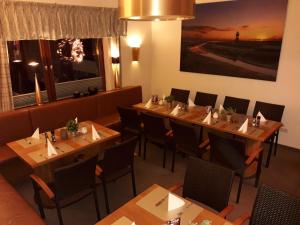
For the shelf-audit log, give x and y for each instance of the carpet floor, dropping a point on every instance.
(284, 173)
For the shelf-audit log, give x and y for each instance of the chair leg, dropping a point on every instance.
(270, 152)
(240, 189)
(173, 161)
(164, 157)
(145, 146)
(276, 143)
(59, 215)
(133, 181)
(105, 196)
(140, 145)
(39, 201)
(96, 204)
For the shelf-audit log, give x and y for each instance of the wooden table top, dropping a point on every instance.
(132, 211)
(34, 152)
(195, 115)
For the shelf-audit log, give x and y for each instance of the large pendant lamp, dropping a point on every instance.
(154, 10)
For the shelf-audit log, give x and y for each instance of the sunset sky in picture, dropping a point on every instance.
(258, 20)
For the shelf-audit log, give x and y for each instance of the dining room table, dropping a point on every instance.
(34, 151)
(255, 135)
(156, 206)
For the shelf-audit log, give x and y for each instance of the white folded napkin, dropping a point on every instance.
(244, 127)
(175, 111)
(95, 134)
(76, 120)
(191, 103)
(50, 149)
(262, 118)
(148, 104)
(207, 119)
(36, 134)
(174, 202)
(221, 108)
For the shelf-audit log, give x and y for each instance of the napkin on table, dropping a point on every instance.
(148, 104)
(50, 149)
(244, 127)
(36, 134)
(175, 111)
(207, 119)
(95, 134)
(191, 103)
(174, 202)
(262, 118)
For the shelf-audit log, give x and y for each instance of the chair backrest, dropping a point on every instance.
(205, 99)
(154, 126)
(240, 105)
(270, 111)
(118, 157)
(228, 152)
(185, 136)
(129, 118)
(180, 95)
(273, 206)
(72, 179)
(208, 183)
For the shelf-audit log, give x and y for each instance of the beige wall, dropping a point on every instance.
(165, 73)
(138, 73)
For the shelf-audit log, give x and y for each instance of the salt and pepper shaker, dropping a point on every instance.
(257, 121)
(46, 138)
(53, 139)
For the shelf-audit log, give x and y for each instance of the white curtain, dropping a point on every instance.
(29, 21)
(6, 102)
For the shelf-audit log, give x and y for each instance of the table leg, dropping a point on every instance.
(270, 151)
(259, 166)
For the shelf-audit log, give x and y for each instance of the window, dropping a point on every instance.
(74, 65)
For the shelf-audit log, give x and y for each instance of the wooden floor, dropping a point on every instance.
(282, 173)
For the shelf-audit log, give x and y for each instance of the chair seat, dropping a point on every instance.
(50, 204)
(6, 154)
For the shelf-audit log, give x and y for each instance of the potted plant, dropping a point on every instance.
(72, 127)
(170, 99)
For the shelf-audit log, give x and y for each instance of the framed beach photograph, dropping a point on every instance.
(240, 38)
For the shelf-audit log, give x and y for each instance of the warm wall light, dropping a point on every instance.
(156, 9)
(115, 60)
(135, 43)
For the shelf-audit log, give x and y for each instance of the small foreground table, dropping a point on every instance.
(144, 210)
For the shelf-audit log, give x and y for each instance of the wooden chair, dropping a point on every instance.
(180, 95)
(118, 161)
(186, 139)
(156, 133)
(231, 153)
(207, 183)
(238, 104)
(273, 206)
(205, 99)
(71, 184)
(271, 112)
(131, 124)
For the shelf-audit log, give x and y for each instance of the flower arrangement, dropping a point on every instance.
(72, 126)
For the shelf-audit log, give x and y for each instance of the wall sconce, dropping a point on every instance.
(115, 60)
(135, 43)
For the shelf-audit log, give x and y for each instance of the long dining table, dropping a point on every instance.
(196, 114)
(151, 208)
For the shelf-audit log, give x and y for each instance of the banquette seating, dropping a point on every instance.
(21, 123)
(101, 108)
